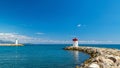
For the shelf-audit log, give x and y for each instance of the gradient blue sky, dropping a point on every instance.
(89, 20)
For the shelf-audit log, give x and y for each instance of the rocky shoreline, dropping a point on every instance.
(99, 57)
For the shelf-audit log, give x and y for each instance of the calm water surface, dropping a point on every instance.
(43, 56)
(40, 56)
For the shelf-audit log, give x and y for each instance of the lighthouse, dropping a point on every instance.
(16, 41)
(75, 42)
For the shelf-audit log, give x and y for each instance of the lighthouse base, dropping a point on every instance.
(75, 44)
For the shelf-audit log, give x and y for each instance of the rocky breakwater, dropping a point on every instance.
(99, 57)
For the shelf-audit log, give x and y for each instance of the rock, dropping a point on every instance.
(77, 67)
(99, 57)
(113, 59)
(93, 65)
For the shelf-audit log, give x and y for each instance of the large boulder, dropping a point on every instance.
(93, 65)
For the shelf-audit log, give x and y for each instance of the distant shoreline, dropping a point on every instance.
(11, 45)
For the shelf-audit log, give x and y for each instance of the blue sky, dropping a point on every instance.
(56, 21)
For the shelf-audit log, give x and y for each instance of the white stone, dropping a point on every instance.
(94, 65)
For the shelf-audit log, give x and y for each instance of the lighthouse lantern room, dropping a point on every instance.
(75, 42)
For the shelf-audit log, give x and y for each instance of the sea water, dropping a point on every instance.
(43, 56)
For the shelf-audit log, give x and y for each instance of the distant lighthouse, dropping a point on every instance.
(75, 42)
(16, 41)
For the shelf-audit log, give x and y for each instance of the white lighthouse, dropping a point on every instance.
(75, 42)
(16, 41)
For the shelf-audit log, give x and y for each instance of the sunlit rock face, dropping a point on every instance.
(93, 65)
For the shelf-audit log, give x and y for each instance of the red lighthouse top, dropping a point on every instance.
(75, 39)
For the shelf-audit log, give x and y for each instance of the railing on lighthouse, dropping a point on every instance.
(75, 42)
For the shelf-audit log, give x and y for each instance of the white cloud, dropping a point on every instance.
(28, 39)
(13, 36)
(39, 33)
(7, 33)
(79, 25)
(94, 42)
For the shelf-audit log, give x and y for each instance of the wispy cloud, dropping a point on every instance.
(39, 33)
(79, 25)
(13, 36)
(28, 39)
(94, 42)
(8, 33)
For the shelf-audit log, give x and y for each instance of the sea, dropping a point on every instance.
(44, 55)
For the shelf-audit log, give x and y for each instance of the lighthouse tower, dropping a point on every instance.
(75, 42)
(16, 41)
